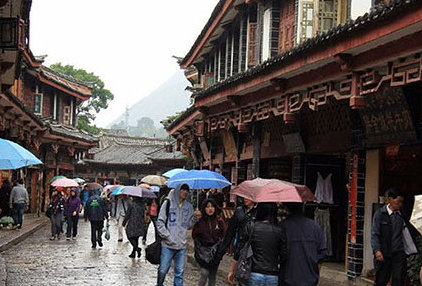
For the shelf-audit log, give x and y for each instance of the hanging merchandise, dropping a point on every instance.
(322, 217)
(324, 189)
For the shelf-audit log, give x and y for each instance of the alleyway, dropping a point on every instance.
(39, 261)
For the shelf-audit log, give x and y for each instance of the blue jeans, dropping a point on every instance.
(18, 210)
(258, 279)
(179, 257)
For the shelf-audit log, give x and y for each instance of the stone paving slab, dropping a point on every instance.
(31, 223)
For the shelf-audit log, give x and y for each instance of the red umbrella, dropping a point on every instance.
(272, 190)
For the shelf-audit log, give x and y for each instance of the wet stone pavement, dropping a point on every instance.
(39, 261)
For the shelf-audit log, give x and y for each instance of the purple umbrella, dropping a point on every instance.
(138, 192)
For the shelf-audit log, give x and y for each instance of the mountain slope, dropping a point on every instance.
(166, 100)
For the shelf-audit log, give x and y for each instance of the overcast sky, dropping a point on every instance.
(128, 43)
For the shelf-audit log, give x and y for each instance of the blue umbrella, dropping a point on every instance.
(14, 156)
(173, 172)
(117, 191)
(199, 179)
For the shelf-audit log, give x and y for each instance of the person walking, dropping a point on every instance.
(19, 200)
(306, 248)
(269, 246)
(217, 196)
(72, 208)
(242, 215)
(5, 191)
(135, 226)
(172, 228)
(57, 207)
(96, 212)
(391, 241)
(207, 234)
(122, 206)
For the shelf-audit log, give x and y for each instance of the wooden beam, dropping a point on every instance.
(345, 61)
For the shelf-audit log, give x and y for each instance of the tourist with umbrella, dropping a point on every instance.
(72, 208)
(122, 206)
(96, 212)
(55, 212)
(134, 223)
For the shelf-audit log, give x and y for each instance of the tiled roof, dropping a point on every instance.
(66, 81)
(376, 15)
(168, 125)
(214, 14)
(129, 150)
(68, 131)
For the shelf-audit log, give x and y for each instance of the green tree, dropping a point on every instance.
(98, 101)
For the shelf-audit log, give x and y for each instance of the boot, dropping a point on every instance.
(132, 255)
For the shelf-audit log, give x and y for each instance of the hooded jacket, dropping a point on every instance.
(181, 218)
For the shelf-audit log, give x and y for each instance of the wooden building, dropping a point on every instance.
(38, 107)
(296, 94)
(125, 159)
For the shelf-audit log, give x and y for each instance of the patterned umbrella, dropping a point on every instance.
(65, 183)
(272, 190)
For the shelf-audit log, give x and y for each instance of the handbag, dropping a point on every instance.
(107, 231)
(244, 264)
(153, 252)
(204, 255)
(49, 212)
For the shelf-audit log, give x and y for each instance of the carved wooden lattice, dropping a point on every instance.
(330, 118)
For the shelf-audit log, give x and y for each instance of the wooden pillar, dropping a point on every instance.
(34, 191)
(356, 200)
(49, 174)
(256, 135)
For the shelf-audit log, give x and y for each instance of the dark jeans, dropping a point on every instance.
(72, 225)
(56, 221)
(96, 231)
(207, 274)
(394, 266)
(18, 210)
(135, 243)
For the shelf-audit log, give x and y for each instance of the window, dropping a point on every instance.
(266, 35)
(66, 115)
(306, 31)
(38, 101)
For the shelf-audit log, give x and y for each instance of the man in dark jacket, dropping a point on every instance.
(391, 241)
(96, 212)
(306, 249)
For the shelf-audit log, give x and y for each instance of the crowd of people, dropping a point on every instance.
(268, 247)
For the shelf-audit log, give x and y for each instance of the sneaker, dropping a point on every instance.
(67, 238)
(73, 237)
(52, 238)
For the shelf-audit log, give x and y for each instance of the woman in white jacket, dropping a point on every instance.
(122, 206)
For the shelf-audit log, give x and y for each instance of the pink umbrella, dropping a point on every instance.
(65, 183)
(272, 190)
